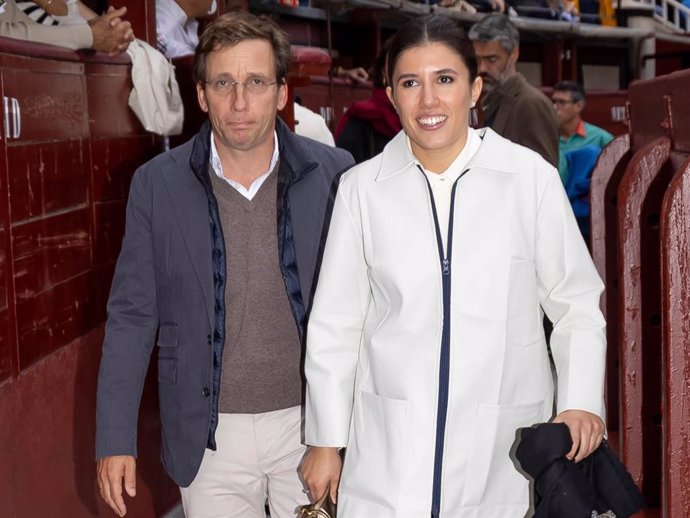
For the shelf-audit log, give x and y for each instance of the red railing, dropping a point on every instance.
(640, 199)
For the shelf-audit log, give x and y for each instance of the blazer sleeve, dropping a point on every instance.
(130, 329)
(335, 326)
(15, 24)
(570, 291)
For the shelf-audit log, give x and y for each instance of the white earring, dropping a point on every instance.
(473, 104)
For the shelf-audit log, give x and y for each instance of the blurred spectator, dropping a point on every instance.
(177, 26)
(357, 74)
(569, 100)
(312, 125)
(367, 126)
(579, 147)
(512, 107)
(107, 33)
(474, 6)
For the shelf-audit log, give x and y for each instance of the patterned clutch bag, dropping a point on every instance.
(322, 508)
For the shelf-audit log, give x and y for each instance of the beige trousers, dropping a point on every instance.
(256, 459)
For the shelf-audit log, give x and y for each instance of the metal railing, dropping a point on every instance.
(669, 13)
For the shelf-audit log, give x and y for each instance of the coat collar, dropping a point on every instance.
(295, 159)
(397, 157)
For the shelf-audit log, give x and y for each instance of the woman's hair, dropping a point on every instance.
(238, 26)
(431, 28)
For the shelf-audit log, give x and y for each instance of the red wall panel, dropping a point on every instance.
(48, 177)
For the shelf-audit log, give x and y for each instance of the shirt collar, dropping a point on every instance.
(217, 166)
(459, 162)
(581, 131)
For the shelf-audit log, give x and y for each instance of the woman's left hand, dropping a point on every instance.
(586, 430)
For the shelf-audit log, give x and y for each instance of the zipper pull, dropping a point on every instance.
(446, 267)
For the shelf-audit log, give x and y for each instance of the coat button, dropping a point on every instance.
(206, 392)
(208, 339)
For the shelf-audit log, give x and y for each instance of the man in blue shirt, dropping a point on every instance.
(569, 100)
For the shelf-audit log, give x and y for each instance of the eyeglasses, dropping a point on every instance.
(561, 102)
(253, 85)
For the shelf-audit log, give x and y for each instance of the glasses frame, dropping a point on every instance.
(232, 86)
(562, 102)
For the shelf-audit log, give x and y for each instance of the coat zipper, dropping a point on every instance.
(444, 363)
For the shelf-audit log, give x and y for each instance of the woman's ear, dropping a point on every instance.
(476, 89)
(389, 93)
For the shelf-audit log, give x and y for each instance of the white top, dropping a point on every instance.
(312, 125)
(442, 183)
(256, 184)
(177, 34)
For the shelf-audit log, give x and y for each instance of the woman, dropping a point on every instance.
(425, 349)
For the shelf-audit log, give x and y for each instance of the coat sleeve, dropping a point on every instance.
(540, 132)
(335, 326)
(129, 331)
(15, 24)
(570, 289)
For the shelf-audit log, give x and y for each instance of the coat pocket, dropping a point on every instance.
(492, 478)
(167, 353)
(375, 455)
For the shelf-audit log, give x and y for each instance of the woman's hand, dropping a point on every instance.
(586, 430)
(320, 469)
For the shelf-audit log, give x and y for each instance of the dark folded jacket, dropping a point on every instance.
(565, 489)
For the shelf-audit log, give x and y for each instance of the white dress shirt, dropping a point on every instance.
(256, 184)
(442, 183)
(177, 34)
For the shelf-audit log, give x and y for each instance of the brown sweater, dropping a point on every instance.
(261, 358)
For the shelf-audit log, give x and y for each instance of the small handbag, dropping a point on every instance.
(324, 507)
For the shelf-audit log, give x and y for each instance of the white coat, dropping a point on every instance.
(373, 342)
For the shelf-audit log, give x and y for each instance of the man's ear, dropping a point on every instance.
(282, 96)
(201, 97)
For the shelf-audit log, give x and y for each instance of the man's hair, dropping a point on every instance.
(496, 27)
(577, 92)
(238, 26)
(431, 28)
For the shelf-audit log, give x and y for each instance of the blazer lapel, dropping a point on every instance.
(190, 206)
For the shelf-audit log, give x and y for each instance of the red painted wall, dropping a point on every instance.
(68, 148)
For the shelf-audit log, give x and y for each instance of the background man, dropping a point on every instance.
(569, 100)
(177, 27)
(512, 107)
(220, 251)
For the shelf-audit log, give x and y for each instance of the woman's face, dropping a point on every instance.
(432, 93)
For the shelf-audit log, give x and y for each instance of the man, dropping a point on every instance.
(512, 107)
(107, 33)
(177, 27)
(219, 257)
(569, 101)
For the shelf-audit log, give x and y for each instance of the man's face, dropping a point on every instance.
(242, 120)
(494, 64)
(567, 110)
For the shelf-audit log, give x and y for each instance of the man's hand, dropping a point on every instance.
(111, 34)
(586, 430)
(110, 473)
(320, 468)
